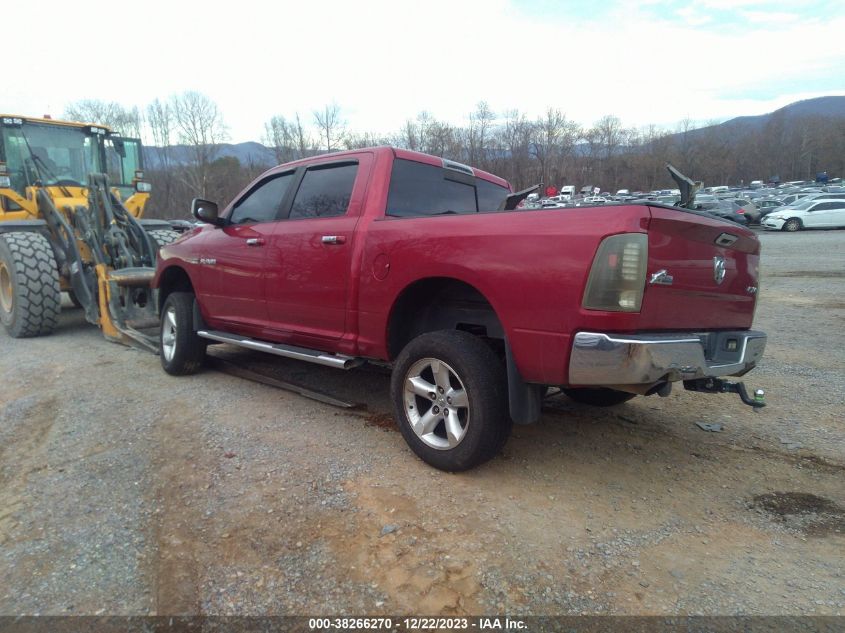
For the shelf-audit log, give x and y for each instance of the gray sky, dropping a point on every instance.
(385, 61)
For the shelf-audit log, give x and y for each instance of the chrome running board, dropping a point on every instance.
(288, 351)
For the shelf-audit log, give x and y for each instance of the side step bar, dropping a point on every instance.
(288, 351)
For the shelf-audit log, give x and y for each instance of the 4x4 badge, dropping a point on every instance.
(719, 269)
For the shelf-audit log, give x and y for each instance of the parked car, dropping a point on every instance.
(395, 256)
(821, 213)
(725, 209)
(750, 209)
(669, 200)
(789, 199)
(767, 206)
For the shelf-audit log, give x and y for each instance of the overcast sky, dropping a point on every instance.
(384, 61)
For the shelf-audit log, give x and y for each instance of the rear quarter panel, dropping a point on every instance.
(530, 265)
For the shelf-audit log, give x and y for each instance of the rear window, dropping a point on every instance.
(418, 189)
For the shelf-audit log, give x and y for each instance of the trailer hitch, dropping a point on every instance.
(717, 385)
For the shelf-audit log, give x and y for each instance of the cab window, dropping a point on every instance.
(420, 189)
(262, 204)
(325, 191)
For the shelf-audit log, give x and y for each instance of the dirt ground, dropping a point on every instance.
(126, 491)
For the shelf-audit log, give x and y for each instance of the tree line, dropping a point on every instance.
(188, 130)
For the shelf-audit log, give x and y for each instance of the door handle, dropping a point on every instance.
(334, 239)
(255, 241)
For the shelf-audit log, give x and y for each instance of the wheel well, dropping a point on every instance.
(173, 279)
(441, 303)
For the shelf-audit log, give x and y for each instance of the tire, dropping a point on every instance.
(73, 299)
(468, 367)
(30, 296)
(163, 237)
(792, 225)
(181, 351)
(599, 397)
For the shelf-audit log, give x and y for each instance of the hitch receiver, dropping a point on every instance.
(717, 385)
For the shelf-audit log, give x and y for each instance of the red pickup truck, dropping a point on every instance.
(392, 255)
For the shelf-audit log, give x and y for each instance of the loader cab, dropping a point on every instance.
(60, 156)
(124, 162)
(50, 153)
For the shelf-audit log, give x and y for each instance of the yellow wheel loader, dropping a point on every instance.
(72, 197)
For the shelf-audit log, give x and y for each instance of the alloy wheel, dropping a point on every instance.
(436, 403)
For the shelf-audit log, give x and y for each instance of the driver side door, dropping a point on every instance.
(233, 256)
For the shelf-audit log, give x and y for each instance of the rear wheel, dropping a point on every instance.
(30, 296)
(792, 225)
(182, 351)
(599, 397)
(449, 397)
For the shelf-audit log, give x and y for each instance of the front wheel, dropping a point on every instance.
(449, 397)
(182, 351)
(30, 297)
(792, 225)
(599, 397)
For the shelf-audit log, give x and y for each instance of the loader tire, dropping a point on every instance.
(30, 296)
(74, 299)
(163, 237)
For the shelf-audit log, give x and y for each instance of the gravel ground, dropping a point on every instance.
(126, 491)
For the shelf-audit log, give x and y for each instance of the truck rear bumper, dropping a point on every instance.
(652, 359)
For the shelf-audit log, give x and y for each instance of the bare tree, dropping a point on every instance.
(479, 134)
(331, 126)
(200, 127)
(160, 125)
(125, 121)
(545, 143)
(515, 137)
(280, 136)
(409, 136)
(289, 138)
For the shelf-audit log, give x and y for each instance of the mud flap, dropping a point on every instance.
(525, 400)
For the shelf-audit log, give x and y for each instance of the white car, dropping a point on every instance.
(819, 214)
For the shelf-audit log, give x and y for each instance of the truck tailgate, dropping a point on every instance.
(713, 266)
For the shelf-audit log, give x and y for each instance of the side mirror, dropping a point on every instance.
(206, 211)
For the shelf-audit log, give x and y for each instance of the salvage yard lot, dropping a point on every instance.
(126, 491)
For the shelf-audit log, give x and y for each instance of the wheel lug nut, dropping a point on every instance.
(445, 411)
(436, 409)
(440, 389)
(449, 399)
(432, 395)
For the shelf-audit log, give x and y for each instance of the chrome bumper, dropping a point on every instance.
(651, 359)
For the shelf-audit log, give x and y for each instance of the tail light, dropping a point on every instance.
(617, 277)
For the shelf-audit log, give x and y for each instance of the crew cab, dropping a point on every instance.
(391, 255)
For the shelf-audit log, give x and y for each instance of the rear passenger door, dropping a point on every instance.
(311, 252)
(828, 214)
